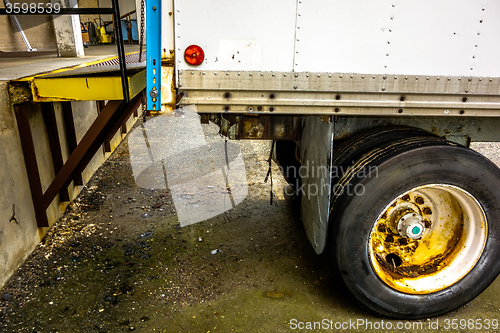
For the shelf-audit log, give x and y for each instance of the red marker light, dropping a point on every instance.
(194, 55)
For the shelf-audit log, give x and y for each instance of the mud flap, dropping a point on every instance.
(316, 148)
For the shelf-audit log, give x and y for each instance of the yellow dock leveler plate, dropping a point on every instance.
(93, 81)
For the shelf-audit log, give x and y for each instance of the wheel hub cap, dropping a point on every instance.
(411, 226)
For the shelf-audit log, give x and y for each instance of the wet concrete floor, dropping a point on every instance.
(118, 261)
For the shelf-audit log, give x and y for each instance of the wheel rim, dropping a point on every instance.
(428, 238)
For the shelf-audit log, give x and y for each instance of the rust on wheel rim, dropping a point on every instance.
(427, 239)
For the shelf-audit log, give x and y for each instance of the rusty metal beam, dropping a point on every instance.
(134, 104)
(257, 127)
(31, 164)
(69, 124)
(49, 118)
(85, 150)
(106, 146)
(108, 121)
(100, 106)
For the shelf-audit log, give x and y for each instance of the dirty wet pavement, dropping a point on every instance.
(118, 261)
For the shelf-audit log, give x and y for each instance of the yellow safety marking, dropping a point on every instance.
(92, 88)
(83, 88)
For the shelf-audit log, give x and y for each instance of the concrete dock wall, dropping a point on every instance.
(18, 239)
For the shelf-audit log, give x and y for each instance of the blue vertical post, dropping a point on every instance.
(153, 53)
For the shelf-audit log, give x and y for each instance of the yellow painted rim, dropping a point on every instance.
(428, 238)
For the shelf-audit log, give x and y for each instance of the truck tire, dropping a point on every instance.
(359, 144)
(414, 227)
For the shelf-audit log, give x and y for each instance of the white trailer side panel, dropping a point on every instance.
(237, 35)
(411, 37)
(356, 57)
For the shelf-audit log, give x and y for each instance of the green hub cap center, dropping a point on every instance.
(415, 230)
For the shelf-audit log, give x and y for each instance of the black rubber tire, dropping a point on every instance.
(404, 164)
(359, 144)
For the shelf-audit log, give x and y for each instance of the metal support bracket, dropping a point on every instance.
(54, 143)
(108, 121)
(153, 52)
(69, 124)
(23, 125)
